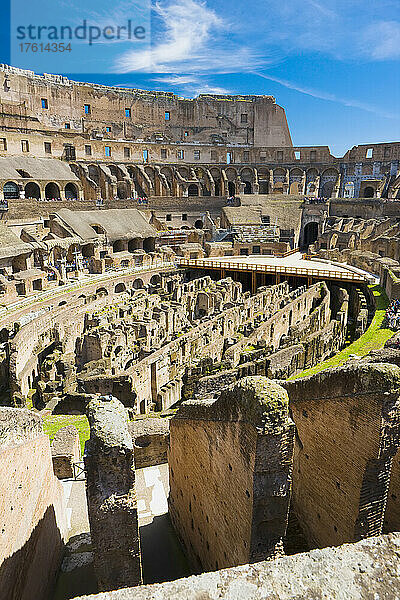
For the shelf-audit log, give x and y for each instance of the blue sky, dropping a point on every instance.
(333, 64)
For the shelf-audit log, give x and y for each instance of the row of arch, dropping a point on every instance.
(11, 190)
(211, 180)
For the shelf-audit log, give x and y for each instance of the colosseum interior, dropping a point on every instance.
(199, 353)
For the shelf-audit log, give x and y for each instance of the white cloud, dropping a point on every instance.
(193, 39)
(321, 95)
(381, 40)
(191, 85)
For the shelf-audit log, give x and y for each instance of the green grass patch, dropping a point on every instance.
(373, 339)
(52, 423)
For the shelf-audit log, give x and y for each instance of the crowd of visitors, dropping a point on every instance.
(393, 314)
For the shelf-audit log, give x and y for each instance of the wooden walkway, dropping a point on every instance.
(309, 273)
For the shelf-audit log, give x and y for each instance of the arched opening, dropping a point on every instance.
(118, 246)
(98, 229)
(199, 224)
(369, 192)
(327, 189)
(88, 250)
(149, 245)
(32, 190)
(193, 190)
(10, 190)
(52, 191)
(264, 187)
(310, 233)
(119, 288)
(93, 171)
(217, 188)
(231, 188)
(247, 187)
(122, 190)
(135, 244)
(71, 192)
(101, 292)
(138, 284)
(155, 280)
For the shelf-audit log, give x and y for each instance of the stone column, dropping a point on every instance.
(111, 496)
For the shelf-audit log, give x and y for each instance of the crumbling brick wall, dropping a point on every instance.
(230, 465)
(347, 422)
(33, 522)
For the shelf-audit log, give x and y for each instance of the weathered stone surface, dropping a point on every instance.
(111, 496)
(150, 441)
(65, 451)
(18, 426)
(348, 431)
(32, 511)
(362, 571)
(230, 465)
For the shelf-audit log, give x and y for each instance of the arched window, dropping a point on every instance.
(32, 190)
(10, 190)
(71, 192)
(52, 191)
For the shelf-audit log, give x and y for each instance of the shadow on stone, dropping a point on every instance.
(162, 555)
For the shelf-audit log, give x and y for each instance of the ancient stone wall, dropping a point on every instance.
(65, 452)
(265, 123)
(111, 496)
(150, 441)
(347, 423)
(350, 571)
(32, 510)
(230, 466)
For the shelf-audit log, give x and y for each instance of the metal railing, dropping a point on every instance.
(285, 254)
(273, 269)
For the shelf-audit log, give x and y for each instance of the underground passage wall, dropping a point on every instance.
(230, 464)
(32, 511)
(347, 431)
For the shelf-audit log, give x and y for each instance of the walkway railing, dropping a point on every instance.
(288, 253)
(273, 269)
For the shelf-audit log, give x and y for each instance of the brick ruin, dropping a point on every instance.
(143, 345)
(324, 448)
(238, 451)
